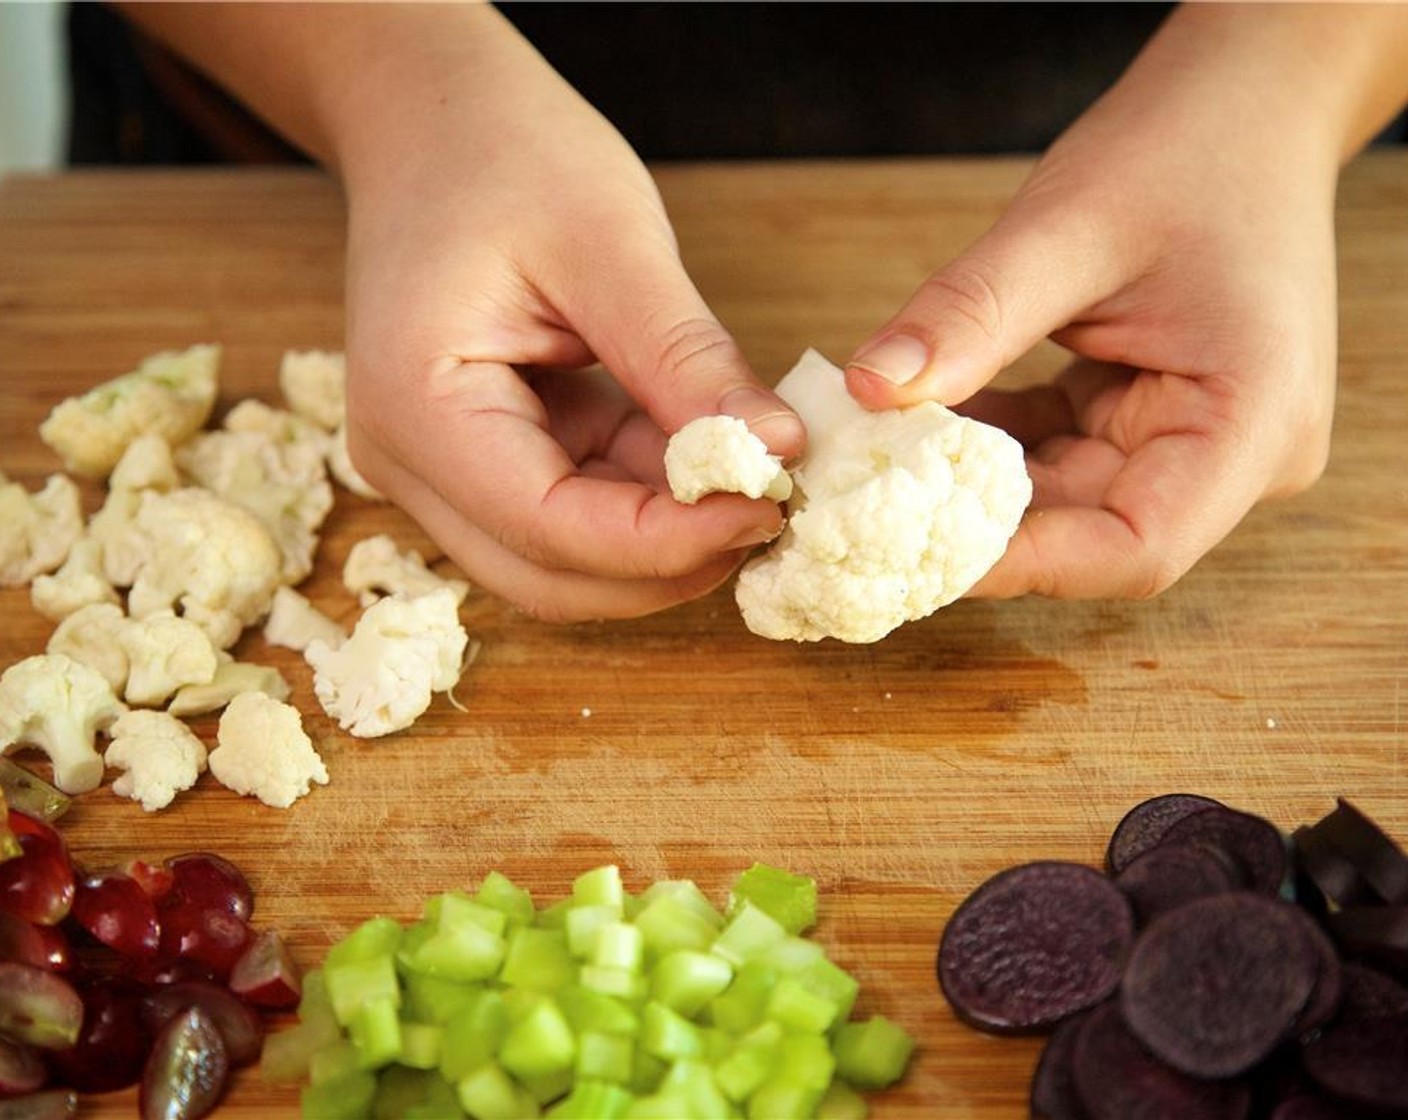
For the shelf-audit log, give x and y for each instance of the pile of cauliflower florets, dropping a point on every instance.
(204, 533)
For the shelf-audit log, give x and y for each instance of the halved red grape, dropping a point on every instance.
(21, 1070)
(41, 946)
(158, 971)
(213, 937)
(114, 908)
(207, 881)
(36, 885)
(154, 878)
(113, 1043)
(266, 974)
(186, 1073)
(51, 1104)
(237, 1022)
(38, 1007)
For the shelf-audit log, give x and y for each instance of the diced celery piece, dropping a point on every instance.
(465, 953)
(750, 1063)
(285, 1056)
(399, 1089)
(717, 1043)
(749, 933)
(376, 1032)
(600, 887)
(604, 1057)
(618, 982)
(668, 1035)
(797, 1009)
(545, 1088)
(332, 1063)
(792, 954)
(693, 1082)
(780, 1099)
(500, 892)
(583, 925)
(646, 1072)
(686, 893)
(376, 937)
(351, 983)
(489, 1093)
(554, 916)
(592, 1100)
(348, 1097)
(537, 960)
(668, 923)
(686, 980)
(805, 1059)
(841, 1102)
(873, 1053)
(619, 945)
(743, 1003)
(587, 1010)
(473, 1035)
(830, 981)
(539, 1044)
(441, 1102)
(658, 1106)
(789, 898)
(453, 909)
(421, 1044)
(434, 999)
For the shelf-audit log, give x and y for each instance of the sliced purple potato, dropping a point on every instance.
(1169, 875)
(1380, 862)
(1117, 1078)
(1144, 826)
(1363, 1062)
(1312, 1106)
(1054, 1095)
(1034, 944)
(1327, 994)
(1213, 987)
(1328, 869)
(1369, 993)
(1375, 935)
(1253, 844)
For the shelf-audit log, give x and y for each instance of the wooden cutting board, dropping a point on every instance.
(901, 774)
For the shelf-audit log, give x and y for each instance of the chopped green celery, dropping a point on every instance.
(592, 1100)
(441, 1102)
(501, 893)
(604, 1057)
(376, 1032)
(805, 1059)
(587, 1010)
(789, 898)
(465, 953)
(841, 1102)
(797, 1009)
(792, 954)
(619, 945)
(646, 1072)
(355, 981)
(376, 937)
(489, 1093)
(686, 980)
(347, 1097)
(334, 1061)
(743, 1004)
(473, 1035)
(583, 925)
(750, 1063)
(554, 916)
(686, 893)
(539, 1044)
(827, 979)
(286, 1053)
(668, 922)
(658, 1106)
(618, 982)
(421, 1044)
(537, 960)
(600, 887)
(694, 1083)
(548, 1087)
(780, 1099)
(749, 933)
(668, 1035)
(453, 909)
(433, 999)
(399, 1089)
(873, 1053)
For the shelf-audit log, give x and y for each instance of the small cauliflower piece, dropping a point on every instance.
(713, 454)
(896, 514)
(91, 636)
(80, 582)
(171, 393)
(401, 652)
(263, 751)
(147, 464)
(314, 383)
(159, 756)
(294, 623)
(280, 425)
(211, 558)
(231, 679)
(165, 653)
(375, 566)
(58, 705)
(37, 530)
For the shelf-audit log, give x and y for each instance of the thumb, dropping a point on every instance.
(1028, 276)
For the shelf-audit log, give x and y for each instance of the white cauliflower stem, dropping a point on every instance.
(896, 514)
(719, 453)
(58, 705)
(295, 623)
(160, 757)
(231, 679)
(37, 530)
(381, 679)
(263, 751)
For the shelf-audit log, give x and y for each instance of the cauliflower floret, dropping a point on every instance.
(231, 679)
(294, 623)
(280, 425)
(37, 530)
(91, 636)
(719, 453)
(314, 383)
(283, 483)
(213, 558)
(374, 566)
(79, 583)
(147, 464)
(165, 653)
(171, 393)
(401, 651)
(160, 757)
(263, 750)
(896, 514)
(58, 705)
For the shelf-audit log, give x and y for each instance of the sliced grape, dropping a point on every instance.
(238, 1023)
(205, 880)
(30, 793)
(51, 1104)
(21, 1069)
(27, 943)
(266, 974)
(1144, 826)
(212, 936)
(113, 1043)
(186, 1073)
(38, 1007)
(113, 907)
(36, 885)
(156, 879)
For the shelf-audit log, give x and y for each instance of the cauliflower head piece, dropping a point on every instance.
(59, 705)
(171, 393)
(294, 623)
(159, 756)
(895, 514)
(262, 751)
(375, 566)
(718, 453)
(37, 530)
(92, 635)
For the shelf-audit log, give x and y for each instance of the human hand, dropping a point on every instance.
(502, 239)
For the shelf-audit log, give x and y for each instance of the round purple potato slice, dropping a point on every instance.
(1378, 860)
(1034, 944)
(1376, 935)
(1213, 987)
(1310, 1107)
(1144, 826)
(1054, 1095)
(1171, 874)
(1254, 845)
(1363, 1062)
(1118, 1079)
(1369, 993)
(1328, 991)
(1329, 870)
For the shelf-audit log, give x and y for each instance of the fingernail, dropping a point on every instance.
(766, 416)
(898, 358)
(750, 537)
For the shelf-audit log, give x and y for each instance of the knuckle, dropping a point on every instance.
(692, 348)
(967, 292)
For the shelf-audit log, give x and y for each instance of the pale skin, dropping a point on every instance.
(1178, 240)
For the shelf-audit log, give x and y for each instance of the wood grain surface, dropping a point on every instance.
(900, 775)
